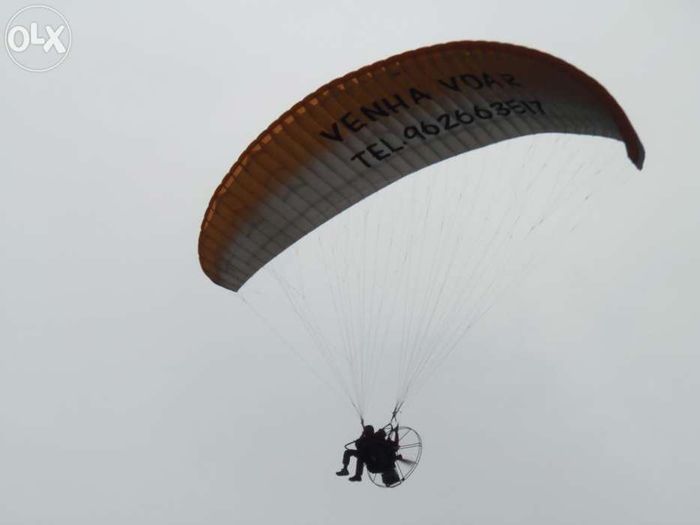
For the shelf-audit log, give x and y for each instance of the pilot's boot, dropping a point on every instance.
(355, 478)
(342, 472)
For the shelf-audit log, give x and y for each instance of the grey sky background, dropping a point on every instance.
(133, 390)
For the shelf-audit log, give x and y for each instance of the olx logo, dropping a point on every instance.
(38, 38)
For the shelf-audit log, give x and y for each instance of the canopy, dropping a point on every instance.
(369, 128)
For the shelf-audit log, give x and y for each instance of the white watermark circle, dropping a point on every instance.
(38, 38)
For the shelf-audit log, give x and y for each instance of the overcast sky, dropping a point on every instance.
(133, 390)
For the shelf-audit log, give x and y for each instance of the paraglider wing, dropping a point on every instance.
(365, 130)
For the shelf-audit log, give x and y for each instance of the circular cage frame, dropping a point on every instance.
(409, 454)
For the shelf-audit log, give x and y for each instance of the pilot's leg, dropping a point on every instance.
(346, 461)
(359, 468)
